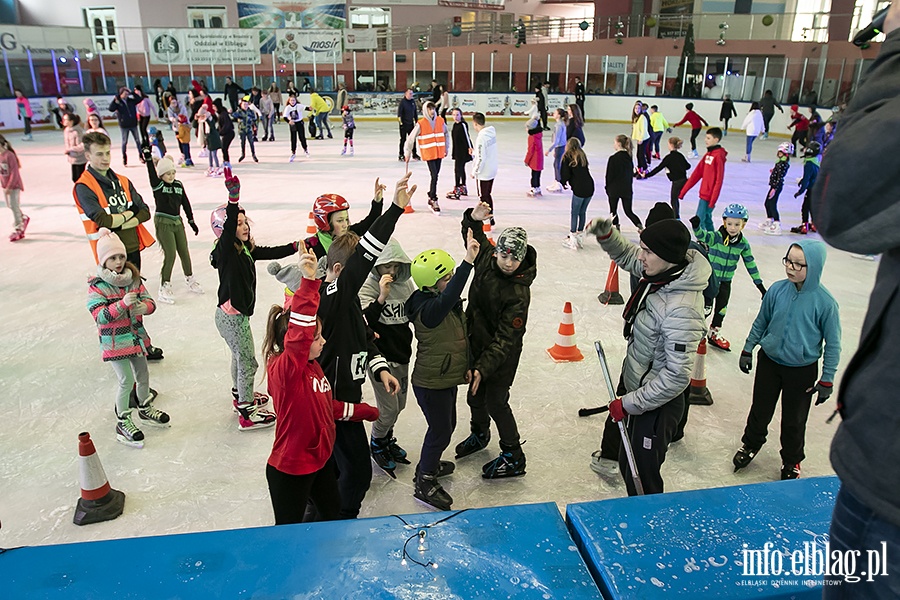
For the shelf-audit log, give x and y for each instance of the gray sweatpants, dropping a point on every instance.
(12, 201)
(235, 330)
(129, 370)
(389, 406)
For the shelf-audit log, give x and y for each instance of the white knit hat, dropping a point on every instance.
(165, 165)
(108, 244)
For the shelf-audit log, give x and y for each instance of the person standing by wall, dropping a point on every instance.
(407, 115)
(579, 94)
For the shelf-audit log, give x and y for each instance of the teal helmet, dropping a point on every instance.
(431, 266)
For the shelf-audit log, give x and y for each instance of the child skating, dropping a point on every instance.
(441, 360)
(558, 147)
(798, 315)
(697, 123)
(349, 126)
(619, 181)
(772, 224)
(725, 247)
(574, 172)
(534, 156)
(812, 159)
(11, 181)
(463, 150)
(118, 301)
(710, 172)
(676, 166)
(331, 213)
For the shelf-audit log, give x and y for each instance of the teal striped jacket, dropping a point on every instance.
(724, 253)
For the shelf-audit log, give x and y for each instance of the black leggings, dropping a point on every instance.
(535, 179)
(805, 210)
(484, 192)
(642, 154)
(799, 139)
(491, 402)
(297, 130)
(143, 122)
(459, 170)
(354, 464)
(772, 204)
(290, 493)
(673, 198)
(434, 167)
(626, 206)
(694, 134)
(721, 303)
(226, 142)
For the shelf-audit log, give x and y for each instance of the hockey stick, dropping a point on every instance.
(626, 442)
(586, 412)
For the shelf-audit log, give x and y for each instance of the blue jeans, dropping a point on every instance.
(655, 136)
(855, 527)
(322, 124)
(579, 213)
(705, 214)
(750, 140)
(557, 160)
(134, 132)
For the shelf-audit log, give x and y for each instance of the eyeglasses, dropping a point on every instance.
(792, 265)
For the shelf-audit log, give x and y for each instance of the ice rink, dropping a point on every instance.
(203, 474)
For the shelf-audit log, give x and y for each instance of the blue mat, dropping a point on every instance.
(517, 551)
(691, 544)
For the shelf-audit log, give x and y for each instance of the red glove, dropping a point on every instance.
(233, 185)
(347, 411)
(616, 410)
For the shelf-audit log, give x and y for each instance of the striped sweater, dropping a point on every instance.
(724, 252)
(122, 334)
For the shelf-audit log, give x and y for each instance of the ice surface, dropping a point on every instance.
(202, 474)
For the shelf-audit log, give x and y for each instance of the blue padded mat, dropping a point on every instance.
(517, 551)
(691, 544)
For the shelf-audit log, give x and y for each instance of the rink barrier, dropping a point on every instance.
(699, 544)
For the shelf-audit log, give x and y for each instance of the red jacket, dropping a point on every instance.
(534, 158)
(712, 170)
(693, 118)
(799, 121)
(304, 431)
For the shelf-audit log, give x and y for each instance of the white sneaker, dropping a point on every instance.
(166, 294)
(774, 229)
(570, 242)
(554, 187)
(193, 285)
(579, 239)
(765, 225)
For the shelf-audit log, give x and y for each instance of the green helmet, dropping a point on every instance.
(430, 266)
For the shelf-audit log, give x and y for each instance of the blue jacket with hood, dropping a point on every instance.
(792, 324)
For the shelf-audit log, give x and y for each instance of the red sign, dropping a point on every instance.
(655, 84)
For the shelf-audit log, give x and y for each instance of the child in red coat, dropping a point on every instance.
(711, 170)
(300, 466)
(534, 158)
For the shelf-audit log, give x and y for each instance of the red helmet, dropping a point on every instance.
(324, 206)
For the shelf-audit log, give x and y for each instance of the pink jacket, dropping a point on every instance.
(122, 333)
(534, 158)
(24, 103)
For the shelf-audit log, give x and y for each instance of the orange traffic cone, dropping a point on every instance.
(98, 502)
(699, 393)
(611, 295)
(311, 228)
(486, 228)
(565, 350)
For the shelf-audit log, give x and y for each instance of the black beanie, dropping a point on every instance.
(660, 211)
(668, 239)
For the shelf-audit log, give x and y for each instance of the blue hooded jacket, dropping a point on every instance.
(792, 324)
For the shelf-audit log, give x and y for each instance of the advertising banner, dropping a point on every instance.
(360, 39)
(202, 46)
(302, 45)
(40, 40)
(267, 18)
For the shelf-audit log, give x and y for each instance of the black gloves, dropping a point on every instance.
(746, 362)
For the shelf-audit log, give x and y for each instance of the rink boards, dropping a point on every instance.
(515, 551)
(692, 544)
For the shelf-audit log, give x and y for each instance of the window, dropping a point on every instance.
(207, 17)
(365, 17)
(811, 21)
(102, 23)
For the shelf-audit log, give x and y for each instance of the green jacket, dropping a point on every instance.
(724, 253)
(442, 353)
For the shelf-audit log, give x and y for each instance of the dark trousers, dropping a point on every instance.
(484, 192)
(772, 203)
(611, 441)
(535, 179)
(655, 137)
(694, 134)
(134, 258)
(544, 118)
(721, 303)
(650, 434)
(791, 383)
(290, 494)
(226, 143)
(492, 402)
(626, 200)
(673, 196)
(77, 170)
(247, 136)
(143, 122)
(806, 209)
(439, 408)
(798, 139)
(405, 130)
(297, 130)
(434, 167)
(642, 154)
(186, 151)
(27, 121)
(459, 172)
(580, 104)
(134, 133)
(354, 465)
(767, 118)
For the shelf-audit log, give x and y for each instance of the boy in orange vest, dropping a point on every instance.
(106, 199)
(434, 142)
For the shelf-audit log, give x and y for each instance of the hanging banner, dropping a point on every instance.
(40, 40)
(674, 17)
(301, 45)
(360, 39)
(267, 18)
(202, 46)
(474, 4)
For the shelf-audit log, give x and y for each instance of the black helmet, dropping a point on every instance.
(812, 149)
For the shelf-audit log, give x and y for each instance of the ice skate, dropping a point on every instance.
(256, 160)
(259, 399)
(718, 341)
(801, 229)
(463, 190)
(381, 454)
(570, 242)
(746, 159)
(133, 400)
(193, 285)
(251, 416)
(743, 457)
(605, 467)
(344, 151)
(291, 159)
(510, 463)
(151, 416)
(154, 353)
(579, 239)
(472, 444)
(396, 452)
(16, 235)
(694, 154)
(351, 150)
(27, 138)
(774, 229)
(25, 221)
(790, 472)
(454, 195)
(554, 187)
(166, 294)
(435, 207)
(429, 491)
(765, 225)
(128, 433)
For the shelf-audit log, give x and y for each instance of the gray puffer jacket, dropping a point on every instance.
(666, 333)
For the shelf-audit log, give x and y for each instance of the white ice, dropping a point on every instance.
(203, 474)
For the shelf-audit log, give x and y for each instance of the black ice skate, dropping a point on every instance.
(395, 451)
(743, 457)
(429, 491)
(381, 454)
(790, 472)
(510, 463)
(472, 444)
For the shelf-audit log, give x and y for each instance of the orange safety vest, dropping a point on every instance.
(431, 141)
(145, 239)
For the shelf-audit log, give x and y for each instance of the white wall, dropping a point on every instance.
(70, 14)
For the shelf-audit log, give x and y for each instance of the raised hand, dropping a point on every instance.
(379, 190)
(600, 227)
(472, 248)
(233, 185)
(482, 211)
(403, 193)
